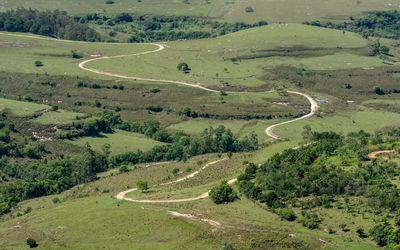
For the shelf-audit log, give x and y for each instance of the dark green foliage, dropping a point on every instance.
(376, 23)
(142, 185)
(31, 243)
(48, 23)
(310, 220)
(385, 234)
(378, 90)
(287, 214)
(175, 171)
(223, 193)
(249, 9)
(360, 232)
(123, 169)
(154, 90)
(182, 66)
(38, 63)
(148, 28)
(154, 108)
(109, 2)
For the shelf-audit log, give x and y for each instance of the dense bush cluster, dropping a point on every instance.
(308, 177)
(47, 23)
(164, 28)
(36, 180)
(376, 23)
(182, 146)
(223, 193)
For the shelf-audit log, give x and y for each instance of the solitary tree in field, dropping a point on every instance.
(142, 185)
(223, 193)
(38, 63)
(31, 243)
(182, 66)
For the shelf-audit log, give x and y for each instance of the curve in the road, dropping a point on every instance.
(268, 131)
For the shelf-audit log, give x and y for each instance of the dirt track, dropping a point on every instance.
(268, 131)
(373, 155)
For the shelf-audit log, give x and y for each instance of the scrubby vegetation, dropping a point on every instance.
(376, 23)
(148, 28)
(321, 174)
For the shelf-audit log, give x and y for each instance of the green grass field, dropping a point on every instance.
(240, 128)
(21, 108)
(124, 224)
(368, 120)
(21, 53)
(240, 58)
(120, 141)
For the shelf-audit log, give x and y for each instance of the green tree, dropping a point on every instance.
(223, 193)
(182, 66)
(31, 243)
(38, 63)
(142, 185)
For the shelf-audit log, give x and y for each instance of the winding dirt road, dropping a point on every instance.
(268, 131)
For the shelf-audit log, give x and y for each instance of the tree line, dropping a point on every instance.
(376, 23)
(57, 24)
(149, 28)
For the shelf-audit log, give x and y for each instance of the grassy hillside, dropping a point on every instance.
(240, 58)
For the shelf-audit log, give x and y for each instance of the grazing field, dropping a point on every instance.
(21, 108)
(56, 55)
(46, 115)
(239, 59)
(120, 141)
(240, 128)
(368, 120)
(232, 11)
(56, 225)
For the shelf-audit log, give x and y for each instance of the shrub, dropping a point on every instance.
(249, 9)
(38, 63)
(110, 2)
(183, 66)
(54, 107)
(31, 243)
(154, 108)
(154, 90)
(175, 171)
(142, 185)
(361, 233)
(56, 200)
(123, 169)
(223, 193)
(287, 214)
(378, 90)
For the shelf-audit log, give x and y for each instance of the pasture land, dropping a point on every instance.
(240, 59)
(368, 119)
(21, 108)
(120, 141)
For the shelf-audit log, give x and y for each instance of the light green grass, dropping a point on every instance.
(81, 223)
(368, 120)
(57, 117)
(240, 128)
(20, 53)
(21, 108)
(120, 141)
(210, 59)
